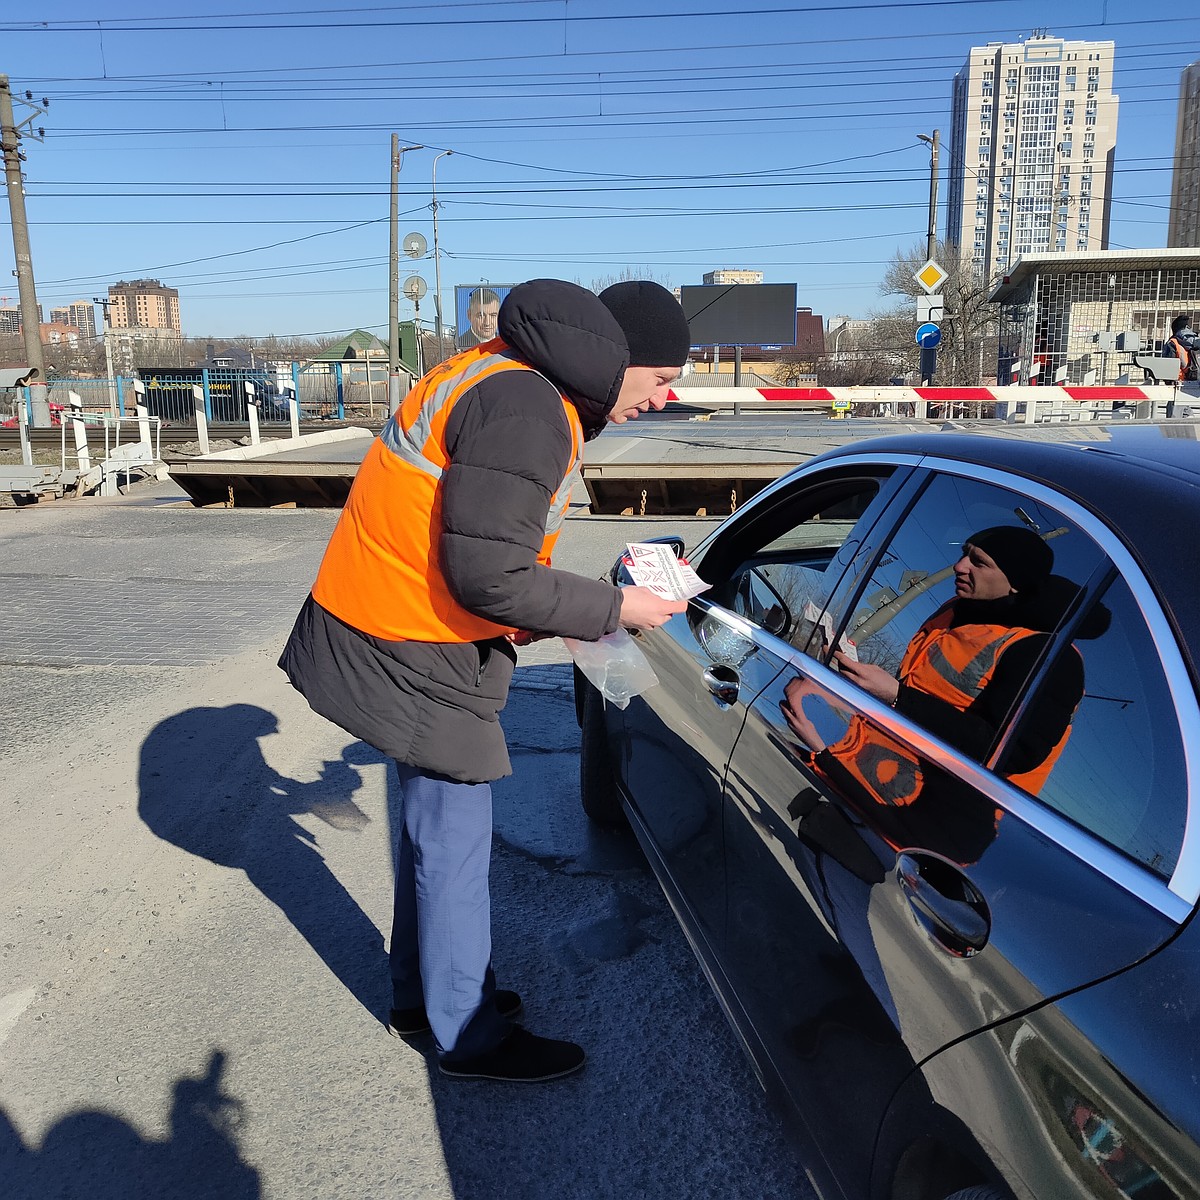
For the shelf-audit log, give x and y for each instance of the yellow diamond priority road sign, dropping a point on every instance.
(930, 276)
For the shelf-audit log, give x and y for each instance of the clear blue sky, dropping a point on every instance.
(243, 158)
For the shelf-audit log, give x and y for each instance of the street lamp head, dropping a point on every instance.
(924, 137)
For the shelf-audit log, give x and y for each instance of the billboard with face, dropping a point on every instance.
(475, 309)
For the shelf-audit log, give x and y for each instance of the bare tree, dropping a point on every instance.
(626, 274)
(969, 324)
(873, 353)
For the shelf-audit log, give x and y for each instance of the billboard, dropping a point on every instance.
(475, 309)
(740, 314)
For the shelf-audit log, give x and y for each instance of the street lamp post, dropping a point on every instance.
(437, 260)
(398, 153)
(934, 143)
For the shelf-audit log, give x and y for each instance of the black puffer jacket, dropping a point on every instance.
(436, 705)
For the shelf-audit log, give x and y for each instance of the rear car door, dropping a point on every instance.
(974, 902)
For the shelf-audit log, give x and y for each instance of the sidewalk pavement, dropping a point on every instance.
(196, 874)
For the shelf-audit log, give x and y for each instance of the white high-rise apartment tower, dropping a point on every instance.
(1184, 227)
(1033, 133)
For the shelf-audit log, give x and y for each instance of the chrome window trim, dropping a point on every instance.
(1174, 898)
(1098, 855)
(1185, 879)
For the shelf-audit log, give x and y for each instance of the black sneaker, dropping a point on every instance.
(409, 1022)
(522, 1057)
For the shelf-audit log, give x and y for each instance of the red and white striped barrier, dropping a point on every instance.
(1031, 403)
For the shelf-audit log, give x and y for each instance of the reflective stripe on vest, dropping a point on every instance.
(954, 665)
(382, 570)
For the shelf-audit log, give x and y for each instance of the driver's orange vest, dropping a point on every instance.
(382, 571)
(954, 665)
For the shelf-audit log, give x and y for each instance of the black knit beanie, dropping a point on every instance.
(1180, 322)
(1024, 558)
(653, 321)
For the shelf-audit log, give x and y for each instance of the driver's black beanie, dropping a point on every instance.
(1180, 322)
(1020, 553)
(653, 322)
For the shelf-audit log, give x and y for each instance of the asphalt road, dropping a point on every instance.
(195, 877)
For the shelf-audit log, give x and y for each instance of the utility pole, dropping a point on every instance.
(108, 356)
(394, 278)
(437, 261)
(10, 141)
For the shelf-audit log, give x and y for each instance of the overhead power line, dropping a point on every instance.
(68, 25)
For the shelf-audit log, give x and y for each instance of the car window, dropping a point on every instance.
(1120, 772)
(777, 572)
(950, 654)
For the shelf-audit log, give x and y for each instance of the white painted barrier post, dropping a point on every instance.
(23, 422)
(143, 413)
(201, 417)
(293, 408)
(252, 412)
(80, 431)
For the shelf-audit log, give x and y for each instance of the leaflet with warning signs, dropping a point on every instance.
(815, 616)
(654, 565)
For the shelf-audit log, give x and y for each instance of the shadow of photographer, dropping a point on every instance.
(204, 786)
(100, 1156)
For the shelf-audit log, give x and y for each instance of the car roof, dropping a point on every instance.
(1146, 488)
(1172, 449)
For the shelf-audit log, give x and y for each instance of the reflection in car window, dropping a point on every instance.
(1121, 774)
(915, 576)
(949, 628)
(787, 563)
(950, 635)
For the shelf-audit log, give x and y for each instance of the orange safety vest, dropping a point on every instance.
(382, 571)
(954, 665)
(1181, 352)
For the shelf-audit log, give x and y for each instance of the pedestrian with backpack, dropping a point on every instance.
(1182, 344)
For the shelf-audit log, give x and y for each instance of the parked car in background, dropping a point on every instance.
(957, 940)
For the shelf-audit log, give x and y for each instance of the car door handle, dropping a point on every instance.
(723, 683)
(946, 904)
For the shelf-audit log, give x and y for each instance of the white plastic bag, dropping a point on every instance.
(615, 666)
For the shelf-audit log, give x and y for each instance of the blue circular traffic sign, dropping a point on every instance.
(928, 336)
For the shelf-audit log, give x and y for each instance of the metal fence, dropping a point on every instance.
(1050, 325)
(173, 394)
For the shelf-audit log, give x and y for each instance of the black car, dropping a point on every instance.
(959, 942)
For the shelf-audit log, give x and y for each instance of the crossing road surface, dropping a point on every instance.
(195, 877)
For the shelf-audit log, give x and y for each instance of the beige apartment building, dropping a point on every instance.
(1033, 135)
(1184, 227)
(731, 275)
(144, 304)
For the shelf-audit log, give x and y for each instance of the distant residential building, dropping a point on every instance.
(1184, 226)
(732, 275)
(1033, 135)
(10, 319)
(144, 304)
(79, 315)
(83, 317)
(59, 334)
(841, 332)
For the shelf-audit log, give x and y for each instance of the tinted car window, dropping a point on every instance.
(778, 570)
(961, 659)
(1121, 774)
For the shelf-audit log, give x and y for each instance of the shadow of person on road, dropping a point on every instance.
(204, 786)
(99, 1156)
